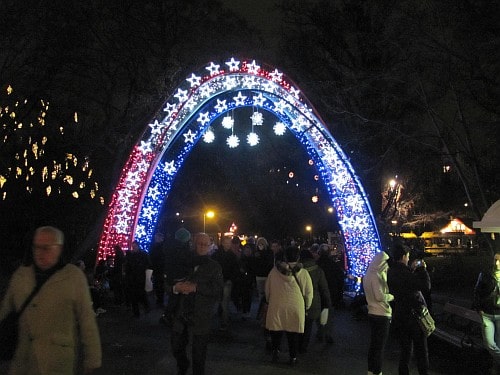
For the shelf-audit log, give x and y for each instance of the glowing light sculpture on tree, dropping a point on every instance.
(148, 174)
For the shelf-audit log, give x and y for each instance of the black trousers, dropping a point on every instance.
(293, 341)
(158, 286)
(137, 296)
(412, 337)
(180, 341)
(305, 338)
(379, 327)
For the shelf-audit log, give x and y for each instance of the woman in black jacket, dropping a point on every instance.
(407, 288)
(321, 297)
(487, 303)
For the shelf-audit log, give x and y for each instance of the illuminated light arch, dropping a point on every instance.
(147, 176)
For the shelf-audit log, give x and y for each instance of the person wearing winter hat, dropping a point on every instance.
(379, 311)
(182, 235)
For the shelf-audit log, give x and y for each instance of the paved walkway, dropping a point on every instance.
(141, 346)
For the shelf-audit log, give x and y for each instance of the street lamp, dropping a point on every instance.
(210, 215)
(309, 229)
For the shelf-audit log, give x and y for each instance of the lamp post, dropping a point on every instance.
(309, 229)
(210, 215)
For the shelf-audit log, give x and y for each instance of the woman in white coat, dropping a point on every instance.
(289, 292)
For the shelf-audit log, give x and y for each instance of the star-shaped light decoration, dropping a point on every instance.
(143, 166)
(253, 68)
(122, 227)
(221, 106)
(295, 92)
(232, 141)
(203, 118)
(205, 91)
(209, 135)
(124, 195)
(194, 80)
(140, 230)
(279, 128)
(233, 64)
(154, 192)
(257, 118)
(148, 212)
(276, 76)
(170, 109)
(122, 218)
(269, 86)
(190, 104)
(181, 95)
(145, 147)
(299, 123)
(189, 136)
(169, 167)
(253, 139)
(227, 122)
(281, 105)
(259, 100)
(230, 83)
(156, 128)
(213, 68)
(239, 100)
(248, 82)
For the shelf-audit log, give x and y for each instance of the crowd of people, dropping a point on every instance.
(194, 278)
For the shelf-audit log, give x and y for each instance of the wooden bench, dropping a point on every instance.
(460, 326)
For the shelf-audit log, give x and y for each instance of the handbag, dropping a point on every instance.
(148, 286)
(9, 328)
(424, 320)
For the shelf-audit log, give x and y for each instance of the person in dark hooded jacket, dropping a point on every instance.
(321, 297)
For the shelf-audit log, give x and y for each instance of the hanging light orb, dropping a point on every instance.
(227, 122)
(279, 128)
(315, 199)
(257, 119)
(253, 139)
(209, 136)
(233, 141)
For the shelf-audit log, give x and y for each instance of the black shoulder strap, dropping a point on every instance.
(297, 280)
(31, 296)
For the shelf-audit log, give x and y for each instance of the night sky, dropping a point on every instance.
(239, 183)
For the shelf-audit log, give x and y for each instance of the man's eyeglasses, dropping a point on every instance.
(44, 247)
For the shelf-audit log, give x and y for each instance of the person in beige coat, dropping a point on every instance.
(289, 297)
(59, 320)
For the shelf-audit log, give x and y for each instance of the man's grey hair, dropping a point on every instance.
(58, 234)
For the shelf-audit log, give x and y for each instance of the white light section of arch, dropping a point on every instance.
(149, 173)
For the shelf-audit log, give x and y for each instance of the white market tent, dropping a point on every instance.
(491, 220)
